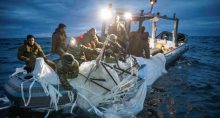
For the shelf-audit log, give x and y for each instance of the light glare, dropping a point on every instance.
(128, 15)
(106, 14)
(152, 2)
(72, 42)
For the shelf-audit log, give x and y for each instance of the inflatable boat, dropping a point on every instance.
(172, 52)
(25, 91)
(20, 82)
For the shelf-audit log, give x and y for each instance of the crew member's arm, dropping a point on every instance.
(76, 68)
(54, 44)
(87, 50)
(40, 52)
(98, 43)
(21, 55)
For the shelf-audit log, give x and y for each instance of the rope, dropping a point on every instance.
(53, 102)
(17, 70)
(22, 92)
(48, 113)
(71, 96)
(74, 104)
(54, 99)
(5, 107)
(97, 111)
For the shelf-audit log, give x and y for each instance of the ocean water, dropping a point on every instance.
(190, 89)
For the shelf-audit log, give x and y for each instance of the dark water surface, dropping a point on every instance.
(190, 89)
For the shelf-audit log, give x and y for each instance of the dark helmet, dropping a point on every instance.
(61, 25)
(29, 37)
(92, 29)
(165, 37)
(68, 59)
(113, 37)
(141, 29)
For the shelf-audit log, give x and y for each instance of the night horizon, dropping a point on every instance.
(40, 18)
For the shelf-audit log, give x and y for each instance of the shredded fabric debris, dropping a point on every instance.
(108, 90)
(127, 95)
(44, 75)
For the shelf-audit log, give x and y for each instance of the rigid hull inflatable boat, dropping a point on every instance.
(25, 91)
(26, 94)
(31, 93)
(39, 99)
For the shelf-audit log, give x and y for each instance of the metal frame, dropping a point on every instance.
(141, 17)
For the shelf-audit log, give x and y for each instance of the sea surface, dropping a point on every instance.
(190, 89)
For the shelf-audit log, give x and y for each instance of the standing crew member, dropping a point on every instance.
(119, 30)
(139, 45)
(59, 40)
(29, 51)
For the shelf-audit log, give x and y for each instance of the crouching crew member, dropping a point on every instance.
(29, 51)
(67, 68)
(80, 51)
(90, 40)
(114, 50)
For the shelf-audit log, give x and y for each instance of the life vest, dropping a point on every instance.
(159, 46)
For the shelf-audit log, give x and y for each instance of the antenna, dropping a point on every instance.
(152, 2)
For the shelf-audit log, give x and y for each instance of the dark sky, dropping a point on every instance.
(40, 17)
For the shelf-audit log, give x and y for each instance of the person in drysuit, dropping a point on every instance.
(31, 50)
(59, 40)
(67, 68)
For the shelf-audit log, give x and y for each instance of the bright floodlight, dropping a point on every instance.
(128, 15)
(153, 2)
(72, 42)
(106, 14)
